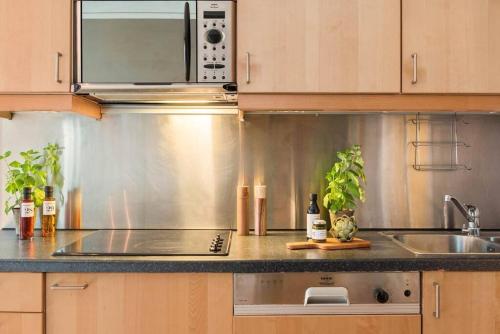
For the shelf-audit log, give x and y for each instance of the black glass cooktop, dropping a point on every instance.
(150, 242)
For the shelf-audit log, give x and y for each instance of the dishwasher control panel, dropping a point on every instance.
(327, 293)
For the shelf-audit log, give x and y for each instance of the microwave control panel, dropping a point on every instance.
(216, 29)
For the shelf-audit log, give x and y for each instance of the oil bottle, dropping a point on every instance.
(49, 213)
(27, 219)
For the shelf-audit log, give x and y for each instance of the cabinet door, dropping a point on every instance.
(139, 303)
(456, 46)
(345, 324)
(35, 39)
(318, 46)
(21, 292)
(466, 302)
(21, 323)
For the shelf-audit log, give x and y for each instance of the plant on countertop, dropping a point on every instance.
(52, 167)
(344, 188)
(36, 169)
(29, 172)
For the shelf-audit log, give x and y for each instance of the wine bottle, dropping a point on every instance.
(312, 214)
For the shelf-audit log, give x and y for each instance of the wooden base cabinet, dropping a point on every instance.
(139, 303)
(345, 324)
(21, 323)
(21, 303)
(461, 302)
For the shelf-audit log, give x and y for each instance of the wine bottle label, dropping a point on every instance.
(27, 210)
(49, 208)
(311, 217)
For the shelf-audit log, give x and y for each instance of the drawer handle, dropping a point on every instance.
(415, 67)
(326, 296)
(437, 296)
(58, 286)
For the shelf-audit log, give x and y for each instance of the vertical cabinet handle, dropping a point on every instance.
(58, 286)
(248, 67)
(187, 41)
(58, 58)
(415, 66)
(437, 296)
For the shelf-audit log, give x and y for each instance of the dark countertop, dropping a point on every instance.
(247, 254)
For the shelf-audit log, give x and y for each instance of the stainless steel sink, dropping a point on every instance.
(448, 244)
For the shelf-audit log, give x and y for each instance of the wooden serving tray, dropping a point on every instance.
(330, 244)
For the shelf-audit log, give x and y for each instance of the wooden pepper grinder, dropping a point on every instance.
(260, 212)
(242, 211)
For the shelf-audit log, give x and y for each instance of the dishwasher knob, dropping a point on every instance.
(381, 296)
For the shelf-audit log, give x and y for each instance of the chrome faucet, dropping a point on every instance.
(470, 212)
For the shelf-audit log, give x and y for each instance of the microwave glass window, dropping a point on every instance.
(137, 41)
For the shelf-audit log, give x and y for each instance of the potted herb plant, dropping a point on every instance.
(36, 170)
(344, 190)
(28, 172)
(52, 166)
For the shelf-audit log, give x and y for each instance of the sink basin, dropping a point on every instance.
(495, 239)
(447, 244)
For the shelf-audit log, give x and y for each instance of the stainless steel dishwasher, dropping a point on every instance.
(327, 293)
(327, 303)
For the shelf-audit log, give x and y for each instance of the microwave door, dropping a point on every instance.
(137, 42)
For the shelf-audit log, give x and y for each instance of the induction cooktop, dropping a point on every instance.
(150, 243)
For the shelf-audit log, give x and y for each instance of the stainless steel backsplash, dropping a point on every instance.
(171, 171)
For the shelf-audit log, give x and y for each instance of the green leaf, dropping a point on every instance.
(354, 191)
(15, 164)
(353, 178)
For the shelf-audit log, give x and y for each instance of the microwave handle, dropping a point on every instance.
(187, 41)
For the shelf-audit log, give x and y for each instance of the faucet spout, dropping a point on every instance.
(470, 213)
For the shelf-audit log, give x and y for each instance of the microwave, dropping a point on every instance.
(158, 50)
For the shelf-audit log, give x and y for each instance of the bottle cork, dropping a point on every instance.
(260, 210)
(242, 227)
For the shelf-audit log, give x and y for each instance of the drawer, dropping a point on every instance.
(345, 324)
(21, 292)
(21, 323)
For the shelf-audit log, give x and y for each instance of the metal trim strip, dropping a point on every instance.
(297, 309)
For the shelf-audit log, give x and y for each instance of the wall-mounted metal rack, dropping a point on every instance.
(441, 154)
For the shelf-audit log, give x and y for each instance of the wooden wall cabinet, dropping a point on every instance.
(369, 55)
(139, 303)
(318, 46)
(456, 45)
(35, 58)
(35, 39)
(465, 302)
(345, 324)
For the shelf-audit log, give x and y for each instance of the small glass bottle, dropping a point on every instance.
(27, 219)
(49, 213)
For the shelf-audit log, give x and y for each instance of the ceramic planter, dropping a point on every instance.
(16, 212)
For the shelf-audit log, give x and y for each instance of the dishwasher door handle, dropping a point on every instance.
(326, 296)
